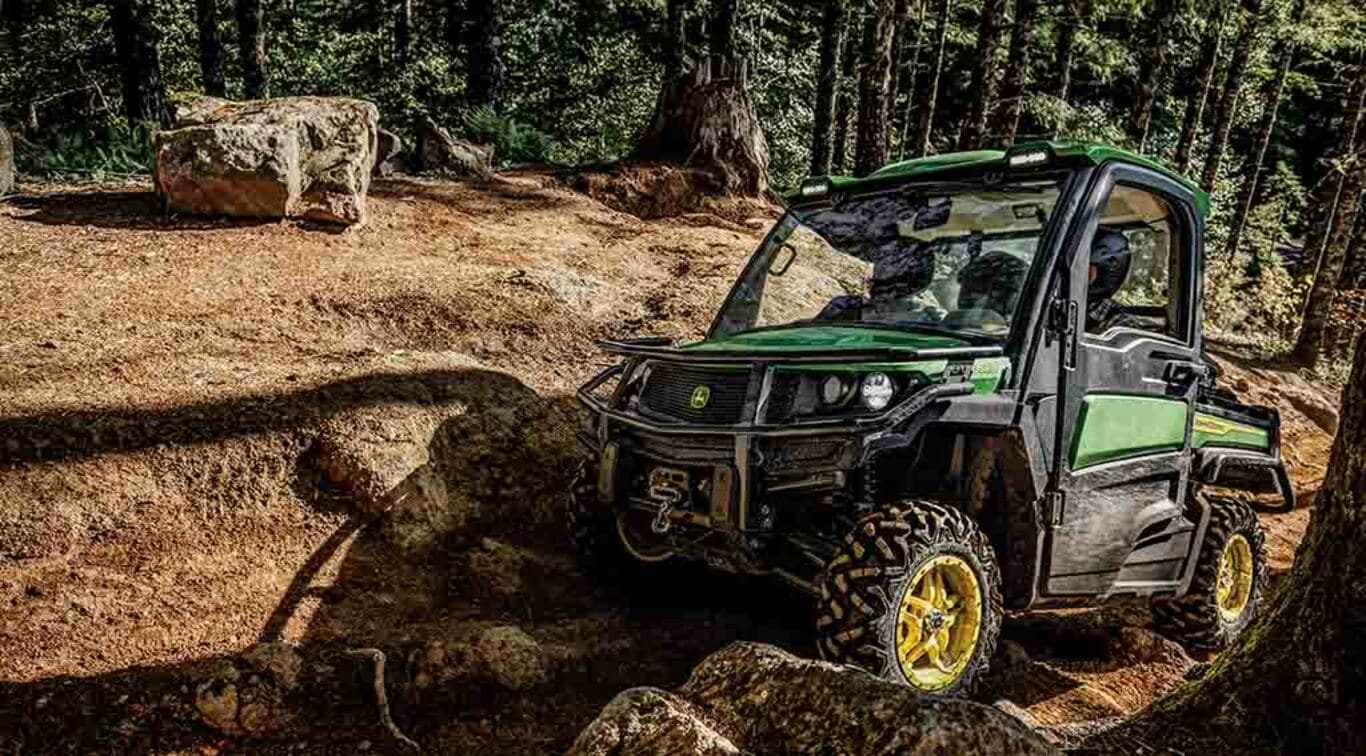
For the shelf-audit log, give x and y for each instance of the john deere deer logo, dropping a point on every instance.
(700, 396)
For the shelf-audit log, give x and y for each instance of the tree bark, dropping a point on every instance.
(210, 48)
(930, 99)
(135, 42)
(844, 101)
(832, 38)
(973, 134)
(1265, 129)
(1073, 16)
(912, 84)
(1150, 70)
(1293, 682)
(1233, 85)
(675, 39)
(1016, 78)
(485, 67)
(403, 32)
(723, 27)
(1324, 199)
(251, 47)
(704, 121)
(870, 150)
(1206, 69)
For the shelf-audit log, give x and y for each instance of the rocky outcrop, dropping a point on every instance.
(753, 697)
(304, 157)
(444, 154)
(388, 147)
(6, 162)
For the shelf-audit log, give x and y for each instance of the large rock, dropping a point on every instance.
(758, 698)
(444, 154)
(6, 162)
(304, 157)
(389, 147)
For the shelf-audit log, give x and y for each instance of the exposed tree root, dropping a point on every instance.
(381, 697)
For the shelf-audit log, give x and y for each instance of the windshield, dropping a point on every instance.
(933, 258)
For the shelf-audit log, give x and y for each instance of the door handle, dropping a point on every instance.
(1182, 372)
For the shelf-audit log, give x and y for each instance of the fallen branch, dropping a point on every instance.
(381, 697)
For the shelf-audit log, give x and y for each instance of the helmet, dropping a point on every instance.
(903, 270)
(1110, 259)
(992, 282)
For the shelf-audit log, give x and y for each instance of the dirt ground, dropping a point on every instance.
(172, 393)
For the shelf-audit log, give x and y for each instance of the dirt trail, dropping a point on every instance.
(174, 394)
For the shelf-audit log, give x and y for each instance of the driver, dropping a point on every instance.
(1110, 258)
(897, 291)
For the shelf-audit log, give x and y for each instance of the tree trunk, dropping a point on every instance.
(832, 38)
(1017, 72)
(135, 42)
(930, 99)
(1150, 70)
(484, 64)
(1265, 129)
(1337, 195)
(893, 86)
(675, 39)
(1293, 682)
(844, 101)
(1324, 199)
(403, 31)
(1233, 84)
(1074, 14)
(723, 27)
(704, 121)
(210, 48)
(1206, 69)
(870, 150)
(911, 85)
(973, 134)
(1309, 343)
(251, 48)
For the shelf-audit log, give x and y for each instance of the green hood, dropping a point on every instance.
(801, 339)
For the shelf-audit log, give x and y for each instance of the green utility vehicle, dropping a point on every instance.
(962, 385)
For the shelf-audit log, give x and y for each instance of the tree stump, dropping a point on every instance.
(704, 120)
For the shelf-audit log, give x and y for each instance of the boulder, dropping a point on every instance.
(444, 154)
(1314, 406)
(647, 721)
(388, 145)
(755, 697)
(290, 157)
(251, 694)
(6, 162)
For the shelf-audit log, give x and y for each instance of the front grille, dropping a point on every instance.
(671, 390)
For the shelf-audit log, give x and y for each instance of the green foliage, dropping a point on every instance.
(117, 149)
(513, 141)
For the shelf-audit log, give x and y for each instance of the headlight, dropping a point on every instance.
(833, 390)
(877, 391)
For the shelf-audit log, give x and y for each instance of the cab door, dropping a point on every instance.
(1116, 519)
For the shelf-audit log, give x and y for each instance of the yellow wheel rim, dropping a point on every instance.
(938, 622)
(1234, 586)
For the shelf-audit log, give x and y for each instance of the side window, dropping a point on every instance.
(1133, 279)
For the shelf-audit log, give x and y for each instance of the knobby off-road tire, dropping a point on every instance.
(1197, 619)
(592, 524)
(864, 586)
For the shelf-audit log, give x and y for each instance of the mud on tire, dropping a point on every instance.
(862, 587)
(1195, 620)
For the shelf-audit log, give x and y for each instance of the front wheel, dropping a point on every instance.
(1230, 574)
(913, 595)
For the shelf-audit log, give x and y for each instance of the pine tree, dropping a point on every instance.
(1017, 71)
(870, 151)
(983, 88)
(930, 97)
(832, 38)
(211, 73)
(251, 47)
(1152, 63)
(1233, 85)
(1205, 70)
(135, 42)
(484, 63)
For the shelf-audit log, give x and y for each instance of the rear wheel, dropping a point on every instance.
(913, 596)
(1225, 593)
